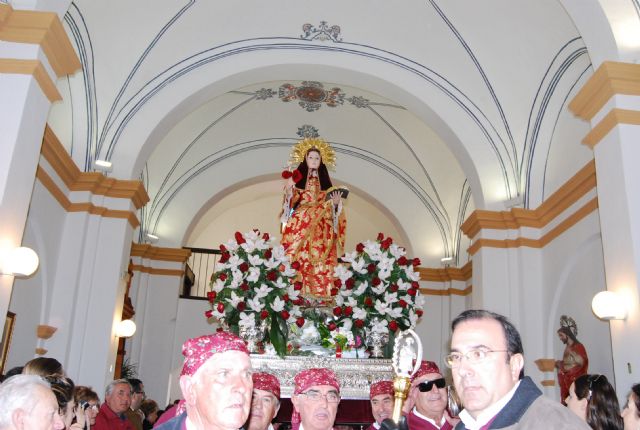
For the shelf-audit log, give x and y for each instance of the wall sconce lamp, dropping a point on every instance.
(609, 305)
(103, 166)
(152, 238)
(446, 261)
(126, 328)
(20, 261)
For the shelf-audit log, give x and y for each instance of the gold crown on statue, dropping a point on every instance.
(301, 148)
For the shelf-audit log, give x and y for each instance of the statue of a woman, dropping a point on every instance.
(315, 224)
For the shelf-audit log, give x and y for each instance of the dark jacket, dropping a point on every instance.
(176, 423)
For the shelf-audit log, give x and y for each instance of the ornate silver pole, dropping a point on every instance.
(407, 355)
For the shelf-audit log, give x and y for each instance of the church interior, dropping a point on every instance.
(495, 141)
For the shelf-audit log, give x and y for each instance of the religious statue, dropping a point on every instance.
(574, 361)
(314, 219)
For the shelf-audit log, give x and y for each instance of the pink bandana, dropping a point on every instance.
(381, 387)
(309, 378)
(198, 350)
(266, 382)
(425, 367)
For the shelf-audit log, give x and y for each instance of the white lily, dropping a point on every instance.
(390, 298)
(381, 307)
(217, 286)
(397, 251)
(255, 304)
(381, 326)
(414, 276)
(255, 260)
(249, 246)
(394, 312)
(234, 261)
(272, 263)
(403, 286)
(292, 292)
(247, 320)
(254, 274)
(263, 291)
(339, 300)
(342, 272)
(361, 288)
(281, 284)
(359, 313)
(379, 289)
(350, 257)
(359, 266)
(234, 299)
(352, 302)
(277, 305)
(231, 245)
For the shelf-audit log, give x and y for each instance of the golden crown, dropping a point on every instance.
(301, 148)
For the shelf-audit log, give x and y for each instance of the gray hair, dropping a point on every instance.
(112, 385)
(18, 392)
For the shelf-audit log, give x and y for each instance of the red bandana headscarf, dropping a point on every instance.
(266, 382)
(381, 387)
(198, 350)
(425, 367)
(307, 379)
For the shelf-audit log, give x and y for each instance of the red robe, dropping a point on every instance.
(417, 423)
(566, 377)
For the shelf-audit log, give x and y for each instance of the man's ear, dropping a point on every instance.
(275, 412)
(516, 362)
(17, 418)
(295, 399)
(187, 386)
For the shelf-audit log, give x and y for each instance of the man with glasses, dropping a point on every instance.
(315, 399)
(134, 414)
(487, 364)
(429, 395)
(265, 402)
(382, 399)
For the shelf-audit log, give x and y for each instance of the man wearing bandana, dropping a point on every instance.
(315, 399)
(216, 384)
(429, 394)
(265, 402)
(382, 400)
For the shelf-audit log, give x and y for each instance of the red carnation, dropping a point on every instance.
(285, 298)
(219, 329)
(286, 174)
(265, 236)
(348, 310)
(220, 307)
(412, 291)
(332, 326)
(334, 291)
(285, 315)
(380, 237)
(359, 248)
(393, 288)
(337, 311)
(239, 238)
(337, 282)
(241, 306)
(222, 277)
(415, 285)
(295, 265)
(419, 312)
(371, 268)
(244, 286)
(299, 301)
(402, 303)
(224, 257)
(208, 313)
(222, 248)
(211, 295)
(359, 323)
(368, 301)
(272, 276)
(393, 326)
(243, 267)
(385, 244)
(350, 283)
(403, 261)
(297, 286)
(416, 261)
(264, 314)
(296, 176)
(300, 322)
(376, 281)
(267, 254)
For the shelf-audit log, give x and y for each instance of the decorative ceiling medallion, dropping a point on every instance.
(322, 33)
(308, 131)
(311, 95)
(265, 93)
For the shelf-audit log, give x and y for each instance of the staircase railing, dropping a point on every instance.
(197, 273)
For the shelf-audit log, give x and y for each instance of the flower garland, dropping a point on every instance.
(379, 288)
(255, 288)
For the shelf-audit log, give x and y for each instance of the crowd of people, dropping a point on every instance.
(221, 392)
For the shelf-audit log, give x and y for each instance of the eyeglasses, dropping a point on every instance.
(473, 356)
(316, 396)
(426, 386)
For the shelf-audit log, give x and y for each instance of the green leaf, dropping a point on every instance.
(277, 337)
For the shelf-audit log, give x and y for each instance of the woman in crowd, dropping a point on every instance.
(88, 400)
(315, 222)
(631, 412)
(150, 409)
(593, 399)
(63, 388)
(43, 366)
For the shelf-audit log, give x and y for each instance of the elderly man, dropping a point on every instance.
(27, 403)
(315, 399)
(382, 400)
(429, 396)
(117, 401)
(265, 402)
(216, 384)
(487, 362)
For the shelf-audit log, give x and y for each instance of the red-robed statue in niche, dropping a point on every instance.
(575, 361)
(315, 227)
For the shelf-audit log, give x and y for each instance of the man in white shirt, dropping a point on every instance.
(265, 402)
(382, 400)
(487, 364)
(315, 399)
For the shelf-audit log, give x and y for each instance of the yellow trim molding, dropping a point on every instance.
(610, 79)
(447, 292)
(569, 193)
(161, 254)
(34, 68)
(96, 183)
(613, 118)
(446, 274)
(68, 206)
(154, 271)
(40, 28)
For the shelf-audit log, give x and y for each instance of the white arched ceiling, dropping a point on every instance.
(439, 98)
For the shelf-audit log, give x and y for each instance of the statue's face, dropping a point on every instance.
(313, 159)
(563, 337)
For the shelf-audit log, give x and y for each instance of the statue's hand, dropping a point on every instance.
(389, 424)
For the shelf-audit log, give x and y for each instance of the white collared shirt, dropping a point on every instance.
(426, 418)
(475, 424)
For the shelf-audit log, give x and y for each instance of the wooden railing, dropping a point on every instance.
(197, 273)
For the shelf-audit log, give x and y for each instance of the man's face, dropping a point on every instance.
(42, 416)
(563, 337)
(317, 414)
(264, 408)
(382, 407)
(119, 400)
(433, 402)
(482, 384)
(137, 398)
(218, 395)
